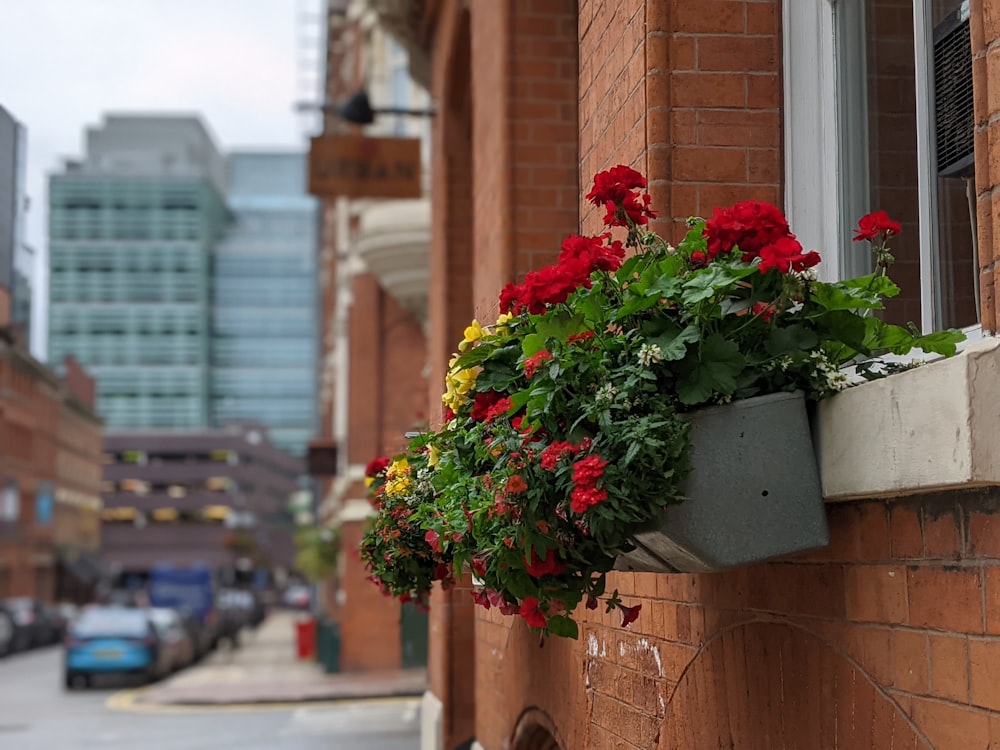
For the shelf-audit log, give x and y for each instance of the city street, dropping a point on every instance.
(36, 713)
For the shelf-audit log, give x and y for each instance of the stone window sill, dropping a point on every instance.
(933, 428)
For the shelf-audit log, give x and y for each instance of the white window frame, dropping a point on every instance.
(824, 144)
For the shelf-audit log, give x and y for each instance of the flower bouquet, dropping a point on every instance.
(568, 422)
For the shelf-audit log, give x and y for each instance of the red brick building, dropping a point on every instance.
(50, 469)
(890, 637)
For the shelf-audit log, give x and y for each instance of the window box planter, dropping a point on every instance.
(754, 492)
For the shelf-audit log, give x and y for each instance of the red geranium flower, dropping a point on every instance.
(749, 225)
(785, 254)
(483, 403)
(532, 613)
(614, 184)
(870, 226)
(376, 466)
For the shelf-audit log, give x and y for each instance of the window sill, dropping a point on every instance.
(929, 429)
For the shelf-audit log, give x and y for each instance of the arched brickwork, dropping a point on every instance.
(764, 685)
(535, 731)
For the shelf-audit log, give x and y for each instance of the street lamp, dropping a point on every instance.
(357, 109)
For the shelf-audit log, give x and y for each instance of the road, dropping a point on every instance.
(36, 713)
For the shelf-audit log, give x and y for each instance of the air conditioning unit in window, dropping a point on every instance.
(954, 118)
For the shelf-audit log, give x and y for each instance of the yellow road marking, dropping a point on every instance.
(128, 700)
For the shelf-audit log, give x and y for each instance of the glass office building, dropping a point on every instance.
(264, 300)
(132, 228)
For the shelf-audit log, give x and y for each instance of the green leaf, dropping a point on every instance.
(875, 283)
(563, 626)
(840, 297)
(846, 327)
(673, 343)
(694, 240)
(532, 344)
(791, 338)
(560, 326)
(703, 284)
(940, 342)
(719, 363)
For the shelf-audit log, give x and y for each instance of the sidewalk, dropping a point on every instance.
(265, 670)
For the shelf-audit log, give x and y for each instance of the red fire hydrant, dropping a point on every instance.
(305, 637)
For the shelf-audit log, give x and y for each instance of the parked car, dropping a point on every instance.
(6, 631)
(297, 597)
(33, 625)
(176, 646)
(106, 640)
(201, 633)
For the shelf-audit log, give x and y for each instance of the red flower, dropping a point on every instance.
(555, 452)
(591, 253)
(515, 484)
(630, 614)
(550, 566)
(498, 409)
(431, 537)
(483, 403)
(614, 184)
(579, 338)
(442, 572)
(588, 470)
(586, 493)
(786, 255)
(478, 565)
(584, 497)
(764, 311)
(481, 598)
(872, 225)
(448, 414)
(749, 225)
(533, 362)
(532, 613)
(376, 466)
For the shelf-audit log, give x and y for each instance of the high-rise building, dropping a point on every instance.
(186, 281)
(132, 228)
(264, 300)
(13, 202)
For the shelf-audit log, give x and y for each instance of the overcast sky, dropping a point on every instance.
(240, 64)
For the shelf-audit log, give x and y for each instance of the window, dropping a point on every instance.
(861, 132)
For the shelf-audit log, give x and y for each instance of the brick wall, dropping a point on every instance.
(888, 638)
(891, 632)
(985, 27)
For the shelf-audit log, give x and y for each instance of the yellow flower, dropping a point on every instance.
(399, 485)
(473, 333)
(399, 467)
(502, 323)
(369, 481)
(433, 456)
(464, 380)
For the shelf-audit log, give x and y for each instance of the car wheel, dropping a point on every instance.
(6, 634)
(76, 679)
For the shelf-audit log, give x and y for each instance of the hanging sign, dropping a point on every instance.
(355, 166)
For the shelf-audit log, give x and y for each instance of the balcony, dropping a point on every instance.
(393, 239)
(134, 548)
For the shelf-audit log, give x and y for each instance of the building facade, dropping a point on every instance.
(373, 271)
(132, 228)
(50, 463)
(264, 300)
(215, 497)
(890, 636)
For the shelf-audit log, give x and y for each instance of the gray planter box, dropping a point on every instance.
(753, 492)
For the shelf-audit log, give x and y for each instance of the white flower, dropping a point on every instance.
(649, 353)
(605, 394)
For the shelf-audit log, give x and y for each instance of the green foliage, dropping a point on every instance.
(570, 427)
(316, 550)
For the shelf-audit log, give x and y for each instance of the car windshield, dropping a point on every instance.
(110, 623)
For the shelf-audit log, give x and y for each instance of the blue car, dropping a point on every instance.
(106, 640)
